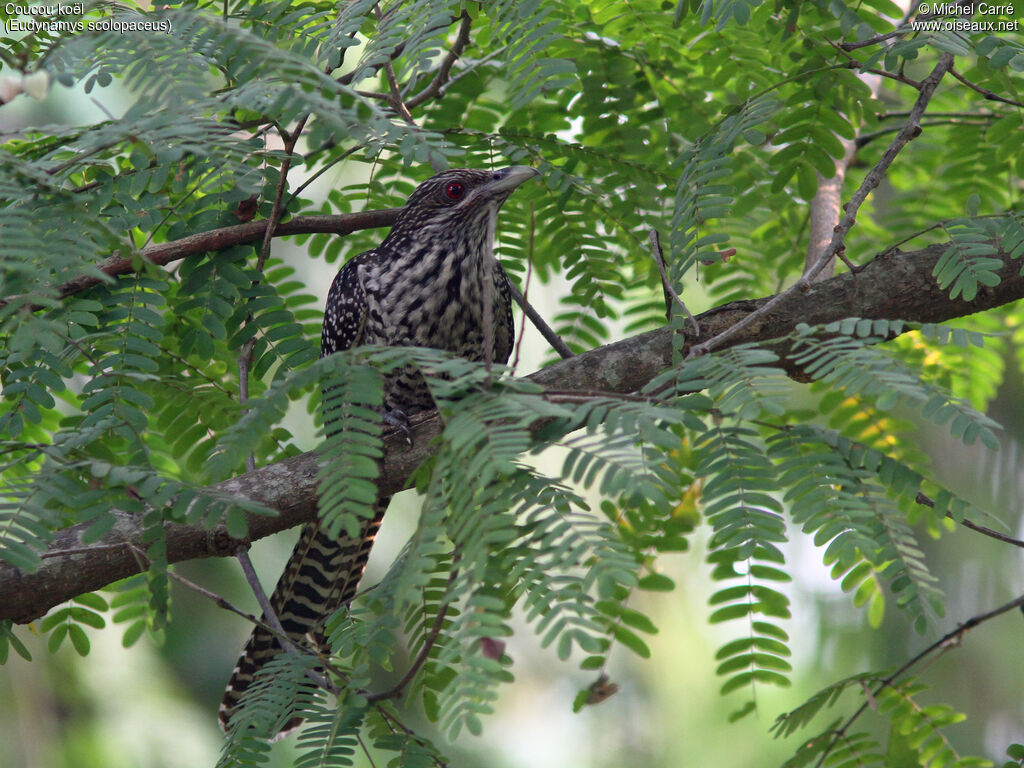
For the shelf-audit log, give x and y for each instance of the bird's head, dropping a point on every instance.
(460, 196)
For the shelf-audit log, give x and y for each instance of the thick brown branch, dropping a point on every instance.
(895, 285)
(227, 237)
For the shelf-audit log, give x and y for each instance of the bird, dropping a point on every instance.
(424, 285)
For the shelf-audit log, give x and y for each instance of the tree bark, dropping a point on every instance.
(892, 286)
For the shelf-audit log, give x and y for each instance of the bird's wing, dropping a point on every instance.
(349, 307)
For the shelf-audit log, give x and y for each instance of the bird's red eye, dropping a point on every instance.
(455, 190)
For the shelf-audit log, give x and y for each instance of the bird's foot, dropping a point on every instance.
(393, 417)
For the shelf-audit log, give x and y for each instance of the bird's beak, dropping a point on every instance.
(509, 178)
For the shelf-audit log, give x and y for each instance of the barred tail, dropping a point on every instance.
(321, 576)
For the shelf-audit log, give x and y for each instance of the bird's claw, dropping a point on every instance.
(394, 417)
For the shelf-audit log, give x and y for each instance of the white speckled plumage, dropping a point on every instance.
(422, 286)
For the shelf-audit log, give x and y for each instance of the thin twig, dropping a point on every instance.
(271, 624)
(866, 138)
(321, 170)
(421, 658)
(349, 77)
(871, 40)
(853, 63)
(470, 66)
(546, 331)
(940, 225)
(228, 606)
(366, 750)
(396, 94)
(915, 84)
(276, 213)
(836, 248)
(587, 395)
(942, 643)
(376, 95)
(395, 98)
(670, 292)
(927, 501)
(143, 559)
(990, 95)
(435, 631)
(444, 70)
(526, 290)
(269, 614)
(902, 115)
(921, 498)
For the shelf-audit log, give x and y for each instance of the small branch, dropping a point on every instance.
(853, 63)
(942, 224)
(471, 66)
(435, 631)
(324, 168)
(395, 97)
(269, 614)
(224, 238)
(836, 248)
(376, 95)
(866, 138)
(396, 94)
(444, 70)
(871, 40)
(825, 210)
(666, 285)
(526, 291)
(902, 115)
(398, 50)
(858, 65)
(277, 630)
(990, 95)
(276, 213)
(366, 750)
(944, 642)
(271, 625)
(421, 658)
(546, 331)
(915, 84)
(926, 501)
(226, 605)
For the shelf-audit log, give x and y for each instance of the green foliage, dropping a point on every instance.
(916, 731)
(712, 123)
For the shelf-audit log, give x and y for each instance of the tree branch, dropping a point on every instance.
(276, 212)
(228, 237)
(893, 286)
(445, 68)
(945, 642)
(990, 95)
(837, 246)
